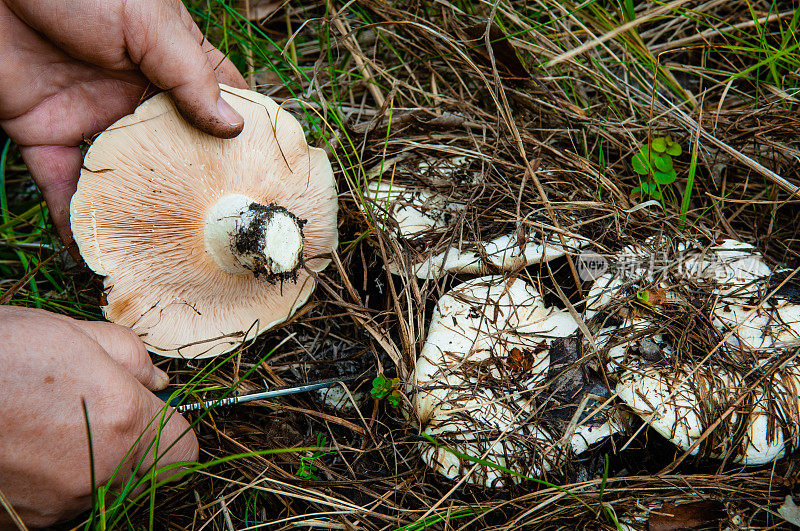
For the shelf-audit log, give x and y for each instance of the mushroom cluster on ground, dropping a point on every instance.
(204, 242)
(496, 425)
(745, 410)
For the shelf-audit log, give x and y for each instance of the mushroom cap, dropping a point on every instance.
(139, 213)
(739, 278)
(476, 395)
(732, 266)
(680, 406)
(474, 328)
(410, 213)
(413, 210)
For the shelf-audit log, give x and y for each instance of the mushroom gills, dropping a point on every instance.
(243, 236)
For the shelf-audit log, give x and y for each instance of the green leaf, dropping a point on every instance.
(663, 163)
(383, 387)
(649, 189)
(674, 149)
(665, 177)
(643, 297)
(380, 387)
(395, 399)
(640, 165)
(659, 144)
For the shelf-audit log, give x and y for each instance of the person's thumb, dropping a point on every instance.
(55, 170)
(170, 54)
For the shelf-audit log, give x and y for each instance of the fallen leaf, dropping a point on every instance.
(505, 55)
(658, 296)
(520, 361)
(267, 77)
(686, 516)
(259, 9)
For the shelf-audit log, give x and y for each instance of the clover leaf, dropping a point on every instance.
(659, 144)
(383, 387)
(654, 160)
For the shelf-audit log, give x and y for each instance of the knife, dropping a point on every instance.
(177, 404)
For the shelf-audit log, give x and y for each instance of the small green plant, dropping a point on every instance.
(307, 468)
(653, 162)
(388, 388)
(643, 297)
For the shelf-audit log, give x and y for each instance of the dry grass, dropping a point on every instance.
(545, 106)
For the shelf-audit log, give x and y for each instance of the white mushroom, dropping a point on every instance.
(410, 211)
(503, 253)
(731, 264)
(740, 280)
(759, 326)
(415, 212)
(736, 275)
(680, 406)
(476, 379)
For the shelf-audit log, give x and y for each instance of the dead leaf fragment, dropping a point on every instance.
(505, 55)
(259, 9)
(686, 516)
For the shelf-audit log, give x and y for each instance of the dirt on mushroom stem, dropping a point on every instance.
(249, 240)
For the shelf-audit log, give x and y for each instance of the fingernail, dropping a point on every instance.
(160, 379)
(228, 114)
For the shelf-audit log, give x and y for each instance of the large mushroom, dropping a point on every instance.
(755, 426)
(204, 242)
(732, 272)
(478, 378)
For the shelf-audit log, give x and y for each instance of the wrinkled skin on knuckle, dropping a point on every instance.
(132, 353)
(118, 407)
(141, 24)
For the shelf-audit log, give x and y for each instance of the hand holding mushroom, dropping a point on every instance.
(70, 68)
(50, 363)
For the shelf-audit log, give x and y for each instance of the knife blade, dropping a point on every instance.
(176, 402)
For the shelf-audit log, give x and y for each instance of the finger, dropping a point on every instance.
(224, 70)
(125, 347)
(176, 442)
(56, 170)
(179, 65)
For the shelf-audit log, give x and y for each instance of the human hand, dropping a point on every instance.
(70, 68)
(51, 362)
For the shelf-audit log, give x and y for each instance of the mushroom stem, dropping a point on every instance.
(244, 236)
